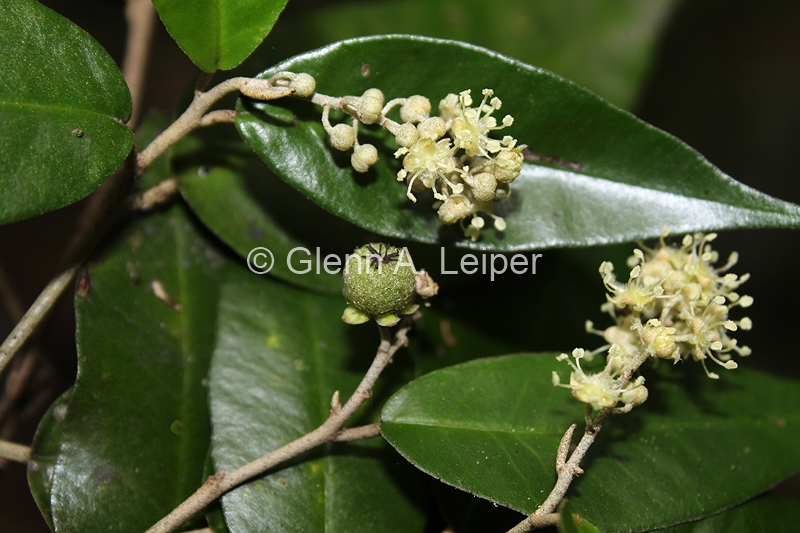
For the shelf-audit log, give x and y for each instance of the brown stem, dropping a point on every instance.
(330, 430)
(358, 433)
(202, 102)
(154, 196)
(14, 452)
(83, 244)
(140, 15)
(567, 470)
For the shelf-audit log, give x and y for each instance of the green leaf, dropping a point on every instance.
(218, 34)
(611, 177)
(247, 210)
(281, 354)
(492, 427)
(135, 433)
(776, 514)
(604, 45)
(63, 108)
(44, 453)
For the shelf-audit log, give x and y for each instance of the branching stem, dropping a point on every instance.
(568, 469)
(195, 114)
(330, 430)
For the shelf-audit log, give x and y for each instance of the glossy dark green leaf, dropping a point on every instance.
(767, 514)
(247, 206)
(281, 354)
(612, 178)
(605, 45)
(218, 34)
(44, 454)
(492, 427)
(240, 207)
(63, 108)
(136, 432)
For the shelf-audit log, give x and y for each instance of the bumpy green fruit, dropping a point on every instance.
(379, 280)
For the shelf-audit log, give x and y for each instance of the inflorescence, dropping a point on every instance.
(453, 154)
(674, 306)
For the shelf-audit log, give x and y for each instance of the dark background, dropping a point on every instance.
(726, 79)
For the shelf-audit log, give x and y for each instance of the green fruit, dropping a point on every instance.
(379, 279)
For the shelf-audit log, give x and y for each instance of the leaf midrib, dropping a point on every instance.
(52, 107)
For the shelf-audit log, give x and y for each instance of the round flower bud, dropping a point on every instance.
(634, 394)
(454, 208)
(483, 186)
(406, 135)
(368, 108)
(379, 279)
(416, 109)
(303, 84)
(377, 94)
(364, 156)
(507, 165)
(432, 128)
(342, 137)
(502, 191)
(447, 107)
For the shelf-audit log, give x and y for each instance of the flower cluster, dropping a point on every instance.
(453, 154)
(674, 305)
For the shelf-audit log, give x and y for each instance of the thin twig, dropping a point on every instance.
(220, 116)
(358, 433)
(120, 184)
(154, 196)
(222, 481)
(536, 522)
(14, 452)
(83, 244)
(570, 469)
(140, 15)
(202, 102)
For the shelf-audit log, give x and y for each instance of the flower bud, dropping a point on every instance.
(454, 208)
(507, 165)
(432, 128)
(406, 135)
(304, 85)
(342, 137)
(368, 108)
(364, 156)
(447, 107)
(416, 109)
(483, 186)
(634, 395)
(377, 94)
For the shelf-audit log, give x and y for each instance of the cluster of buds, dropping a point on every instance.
(674, 306)
(452, 154)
